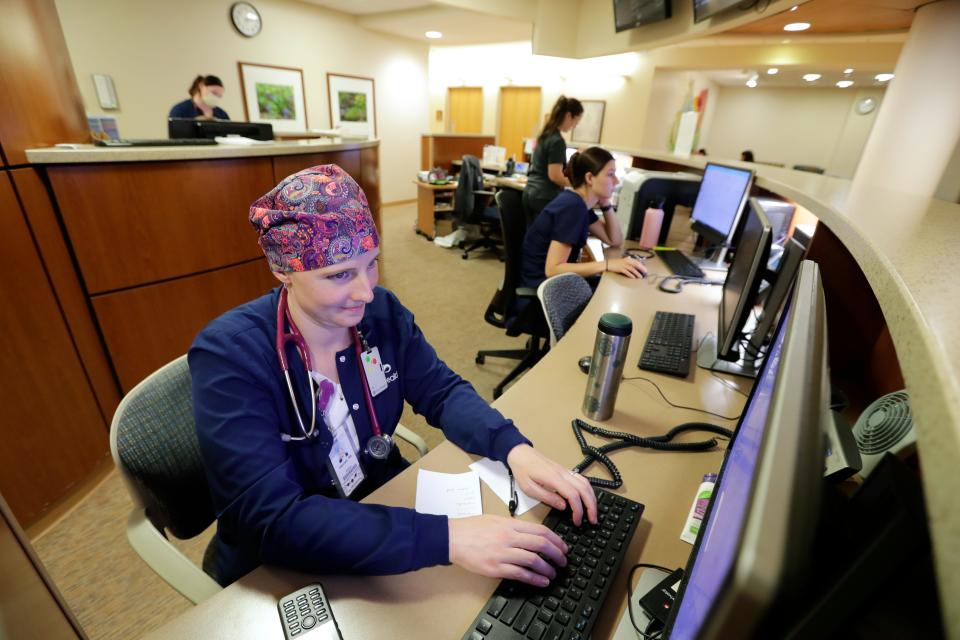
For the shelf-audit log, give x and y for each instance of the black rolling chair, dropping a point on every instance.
(473, 206)
(515, 309)
(808, 167)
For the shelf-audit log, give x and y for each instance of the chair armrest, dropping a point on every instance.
(167, 561)
(484, 193)
(526, 292)
(413, 439)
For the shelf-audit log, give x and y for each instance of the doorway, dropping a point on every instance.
(465, 107)
(520, 118)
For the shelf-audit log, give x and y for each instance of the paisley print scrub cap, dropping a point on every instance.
(313, 219)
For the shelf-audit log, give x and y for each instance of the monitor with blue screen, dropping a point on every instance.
(754, 545)
(723, 193)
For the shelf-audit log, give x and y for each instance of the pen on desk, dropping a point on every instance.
(512, 506)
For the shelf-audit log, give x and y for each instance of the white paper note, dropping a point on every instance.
(455, 495)
(497, 477)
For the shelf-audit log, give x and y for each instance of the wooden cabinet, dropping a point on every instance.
(433, 202)
(441, 149)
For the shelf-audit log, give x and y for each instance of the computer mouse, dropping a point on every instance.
(584, 363)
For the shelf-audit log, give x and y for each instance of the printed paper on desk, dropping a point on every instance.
(497, 477)
(455, 495)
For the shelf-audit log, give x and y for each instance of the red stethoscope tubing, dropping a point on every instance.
(294, 335)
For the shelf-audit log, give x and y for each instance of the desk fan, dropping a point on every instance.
(886, 425)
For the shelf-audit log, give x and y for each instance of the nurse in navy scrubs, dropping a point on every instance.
(287, 460)
(206, 93)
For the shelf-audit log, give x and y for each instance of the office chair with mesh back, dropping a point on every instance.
(563, 296)
(154, 444)
(473, 207)
(808, 167)
(514, 308)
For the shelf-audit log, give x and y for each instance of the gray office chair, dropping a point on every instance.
(563, 297)
(808, 168)
(154, 444)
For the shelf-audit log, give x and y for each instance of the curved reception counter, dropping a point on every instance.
(159, 235)
(892, 305)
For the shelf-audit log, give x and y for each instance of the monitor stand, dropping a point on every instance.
(649, 579)
(713, 262)
(746, 366)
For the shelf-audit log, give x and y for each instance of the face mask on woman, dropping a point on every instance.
(210, 99)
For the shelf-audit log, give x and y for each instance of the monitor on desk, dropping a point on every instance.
(739, 297)
(193, 128)
(755, 544)
(716, 212)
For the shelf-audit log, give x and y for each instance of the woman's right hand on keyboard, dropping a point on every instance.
(499, 547)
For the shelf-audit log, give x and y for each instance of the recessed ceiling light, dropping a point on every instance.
(751, 83)
(433, 35)
(847, 72)
(785, 41)
(810, 77)
(797, 26)
(843, 84)
(794, 8)
(883, 77)
(772, 71)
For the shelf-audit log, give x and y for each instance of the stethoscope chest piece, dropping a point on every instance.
(379, 446)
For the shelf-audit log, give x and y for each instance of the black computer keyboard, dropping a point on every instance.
(667, 349)
(155, 142)
(679, 264)
(568, 607)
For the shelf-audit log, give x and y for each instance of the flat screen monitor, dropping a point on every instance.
(743, 282)
(570, 152)
(755, 543)
(793, 254)
(723, 192)
(191, 128)
(780, 214)
(629, 14)
(703, 9)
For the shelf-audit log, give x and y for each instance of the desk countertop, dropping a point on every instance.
(91, 153)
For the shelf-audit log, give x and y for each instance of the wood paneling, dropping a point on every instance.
(148, 326)
(67, 287)
(465, 109)
(284, 166)
(52, 431)
(840, 16)
(135, 223)
(40, 102)
(519, 117)
(30, 606)
(443, 150)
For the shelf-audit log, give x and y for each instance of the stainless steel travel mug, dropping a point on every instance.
(606, 366)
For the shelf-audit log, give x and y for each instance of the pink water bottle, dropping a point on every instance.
(652, 219)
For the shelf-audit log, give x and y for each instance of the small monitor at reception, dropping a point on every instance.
(190, 128)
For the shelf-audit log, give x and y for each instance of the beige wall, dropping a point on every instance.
(668, 95)
(622, 80)
(154, 50)
(792, 126)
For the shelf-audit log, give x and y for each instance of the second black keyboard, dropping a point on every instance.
(668, 345)
(679, 264)
(568, 607)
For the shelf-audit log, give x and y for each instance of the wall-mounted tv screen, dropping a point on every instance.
(703, 9)
(630, 14)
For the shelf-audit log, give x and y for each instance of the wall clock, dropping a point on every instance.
(246, 19)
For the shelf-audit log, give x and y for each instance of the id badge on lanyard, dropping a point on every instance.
(373, 370)
(343, 463)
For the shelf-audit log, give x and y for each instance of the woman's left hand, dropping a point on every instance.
(541, 478)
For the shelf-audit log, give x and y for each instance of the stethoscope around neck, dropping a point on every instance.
(380, 444)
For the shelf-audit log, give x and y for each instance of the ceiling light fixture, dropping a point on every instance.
(772, 71)
(794, 7)
(433, 35)
(797, 26)
(810, 77)
(751, 83)
(843, 84)
(883, 77)
(847, 72)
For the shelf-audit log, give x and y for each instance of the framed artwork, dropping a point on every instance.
(591, 124)
(352, 105)
(274, 95)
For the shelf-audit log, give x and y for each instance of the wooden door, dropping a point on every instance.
(519, 117)
(465, 107)
(52, 431)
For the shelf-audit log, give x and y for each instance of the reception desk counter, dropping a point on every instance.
(160, 238)
(900, 247)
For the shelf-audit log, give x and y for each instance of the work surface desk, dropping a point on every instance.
(440, 602)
